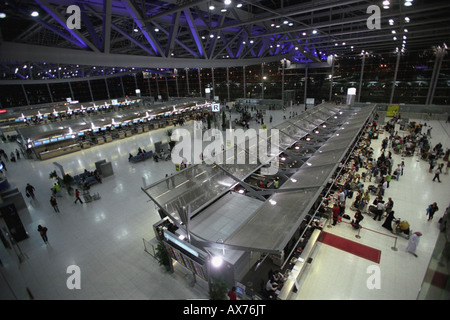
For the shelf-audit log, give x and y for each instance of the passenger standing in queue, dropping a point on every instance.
(232, 294)
(336, 213)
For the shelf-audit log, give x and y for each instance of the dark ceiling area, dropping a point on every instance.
(129, 34)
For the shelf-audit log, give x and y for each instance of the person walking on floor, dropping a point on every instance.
(431, 210)
(77, 196)
(413, 243)
(54, 203)
(437, 172)
(43, 232)
(30, 190)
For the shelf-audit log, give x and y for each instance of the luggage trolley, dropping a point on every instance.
(89, 198)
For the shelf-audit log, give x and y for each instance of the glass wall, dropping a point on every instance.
(129, 85)
(37, 93)
(220, 82)
(60, 91)
(206, 77)
(99, 90)
(115, 88)
(261, 81)
(442, 92)
(81, 91)
(253, 81)
(12, 96)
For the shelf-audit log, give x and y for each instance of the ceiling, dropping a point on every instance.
(128, 35)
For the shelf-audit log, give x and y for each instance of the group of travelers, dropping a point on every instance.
(383, 170)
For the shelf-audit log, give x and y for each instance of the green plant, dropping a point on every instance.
(169, 133)
(224, 120)
(162, 256)
(218, 289)
(67, 181)
(54, 175)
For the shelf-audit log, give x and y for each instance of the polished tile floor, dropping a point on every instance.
(105, 237)
(335, 274)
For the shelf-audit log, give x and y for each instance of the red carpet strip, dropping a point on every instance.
(352, 247)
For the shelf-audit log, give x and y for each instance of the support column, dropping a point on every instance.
(306, 84)
(187, 80)
(245, 84)
(25, 94)
(107, 89)
(167, 87)
(200, 83)
(361, 77)
(331, 80)
(283, 62)
(71, 91)
(176, 83)
(213, 84)
(123, 89)
(262, 80)
(135, 81)
(228, 84)
(90, 90)
(50, 92)
(149, 87)
(157, 85)
(395, 78)
(435, 76)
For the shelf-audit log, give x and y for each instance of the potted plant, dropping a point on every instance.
(54, 175)
(67, 181)
(224, 120)
(162, 256)
(169, 133)
(218, 289)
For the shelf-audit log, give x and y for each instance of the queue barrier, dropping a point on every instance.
(358, 236)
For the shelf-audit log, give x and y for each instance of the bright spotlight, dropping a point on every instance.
(216, 261)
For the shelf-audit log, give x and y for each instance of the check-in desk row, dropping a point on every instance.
(59, 151)
(291, 284)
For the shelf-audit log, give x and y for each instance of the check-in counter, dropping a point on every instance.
(119, 135)
(99, 140)
(108, 138)
(85, 144)
(128, 133)
(139, 130)
(299, 267)
(59, 152)
(146, 129)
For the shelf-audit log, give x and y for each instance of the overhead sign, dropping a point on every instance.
(392, 110)
(215, 107)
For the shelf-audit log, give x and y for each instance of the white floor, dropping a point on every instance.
(105, 237)
(335, 274)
